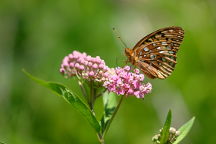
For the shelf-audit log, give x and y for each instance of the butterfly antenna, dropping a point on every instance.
(118, 36)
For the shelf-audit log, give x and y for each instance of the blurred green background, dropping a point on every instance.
(37, 34)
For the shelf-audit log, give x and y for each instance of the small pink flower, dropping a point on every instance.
(91, 73)
(95, 66)
(136, 71)
(124, 82)
(85, 66)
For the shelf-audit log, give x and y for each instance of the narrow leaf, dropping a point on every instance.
(70, 97)
(184, 130)
(166, 127)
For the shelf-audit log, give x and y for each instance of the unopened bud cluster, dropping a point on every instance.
(83, 65)
(173, 134)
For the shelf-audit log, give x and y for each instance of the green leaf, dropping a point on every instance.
(165, 132)
(110, 102)
(184, 130)
(70, 97)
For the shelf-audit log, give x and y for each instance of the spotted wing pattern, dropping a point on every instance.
(156, 52)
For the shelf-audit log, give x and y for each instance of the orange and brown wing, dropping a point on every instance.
(157, 52)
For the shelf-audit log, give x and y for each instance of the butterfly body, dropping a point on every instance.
(155, 54)
(131, 58)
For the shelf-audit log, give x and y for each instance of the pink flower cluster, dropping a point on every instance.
(119, 80)
(124, 82)
(83, 65)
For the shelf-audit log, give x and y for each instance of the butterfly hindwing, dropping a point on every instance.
(156, 52)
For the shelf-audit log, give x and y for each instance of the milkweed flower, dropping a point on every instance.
(121, 81)
(85, 66)
(124, 82)
(173, 134)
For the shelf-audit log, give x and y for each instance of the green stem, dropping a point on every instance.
(83, 89)
(100, 138)
(92, 93)
(110, 121)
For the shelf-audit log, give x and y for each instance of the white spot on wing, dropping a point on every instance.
(146, 49)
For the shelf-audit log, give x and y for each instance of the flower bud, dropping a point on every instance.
(177, 133)
(172, 130)
(85, 66)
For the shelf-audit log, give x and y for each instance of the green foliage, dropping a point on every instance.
(165, 131)
(70, 97)
(184, 130)
(168, 136)
(109, 101)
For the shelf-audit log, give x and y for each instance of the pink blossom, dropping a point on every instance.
(85, 66)
(124, 82)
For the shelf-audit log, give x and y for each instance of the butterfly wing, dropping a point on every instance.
(156, 52)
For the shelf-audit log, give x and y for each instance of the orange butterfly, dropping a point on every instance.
(155, 54)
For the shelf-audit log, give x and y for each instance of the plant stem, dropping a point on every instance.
(110, 121)
(91, 99)
(83, 89)
(100, 138)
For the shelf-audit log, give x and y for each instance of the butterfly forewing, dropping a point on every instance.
(156, 53)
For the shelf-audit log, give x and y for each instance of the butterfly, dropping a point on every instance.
(155, 54)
